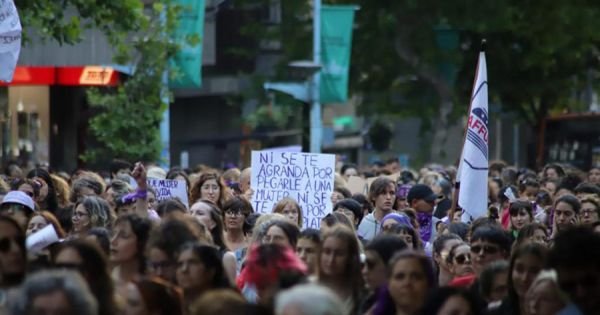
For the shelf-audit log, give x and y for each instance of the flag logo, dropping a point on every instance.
(477, 133)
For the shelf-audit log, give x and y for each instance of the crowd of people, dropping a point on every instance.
(397, 248)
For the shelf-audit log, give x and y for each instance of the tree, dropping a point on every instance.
(536, 53)
(128, 124)
(64, 20)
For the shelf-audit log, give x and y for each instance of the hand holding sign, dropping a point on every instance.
(10, 39)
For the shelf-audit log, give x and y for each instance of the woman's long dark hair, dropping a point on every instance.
(95, 270)
(212, 260)
(510, 305)
(218, 231)
(352, 273)
(141, 228)
(51, 198)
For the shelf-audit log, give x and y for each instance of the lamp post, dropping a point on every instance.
(309, 90)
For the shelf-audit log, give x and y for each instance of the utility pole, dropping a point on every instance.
(316, 123)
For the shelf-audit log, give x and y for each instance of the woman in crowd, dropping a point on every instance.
(90, 212)
(566, 210)
(339, 266)
(493, 283)
(234, 213)
(411, 277)
(41, 219)
(375, 269)
(63, 192)
(333, 219)
(590, 210)
(86, 184)
(529, 188)
(13, 255)
(448, 300)
(366, 205)
(28, 186)
(350, 208)
(308, 248)
(441, 249)
(408, 234)
(532, 232)
(525, 264)
(88, 259)
(209, 215)
(152, 296)
(210, 186)
(127, 247)
(290, 209)
(271, 268)
(281, 232)
(544, 296)
(46, 198)
(521, 213)
(459, 260)
(164, 243)
(101, 237)
(199, 269)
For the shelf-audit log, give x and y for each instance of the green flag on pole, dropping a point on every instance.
(336, 44)
(188, 61)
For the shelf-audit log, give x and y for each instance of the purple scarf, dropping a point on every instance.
(425, 220)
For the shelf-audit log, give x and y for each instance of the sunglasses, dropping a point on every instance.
(5, 243)
(12, 206)
(487, 249)
(462, 259)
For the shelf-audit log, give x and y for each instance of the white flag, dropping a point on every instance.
(10, 39)
(473, 168)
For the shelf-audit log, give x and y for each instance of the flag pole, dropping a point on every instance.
(457, 183)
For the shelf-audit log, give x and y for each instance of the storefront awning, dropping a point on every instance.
(66, 76)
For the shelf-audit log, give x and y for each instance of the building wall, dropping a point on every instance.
(207, 128)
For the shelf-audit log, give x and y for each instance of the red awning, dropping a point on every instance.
(67, 76)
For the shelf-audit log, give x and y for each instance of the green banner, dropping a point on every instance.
(336, 44)
(188, 62)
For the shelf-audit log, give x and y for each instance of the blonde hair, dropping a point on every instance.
(63, 191)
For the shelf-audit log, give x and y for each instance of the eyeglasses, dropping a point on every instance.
(487, 249)
(232, 213)
(587, 212)
(462, 259)
(5, 243)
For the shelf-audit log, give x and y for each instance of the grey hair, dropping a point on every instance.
(310, 299)
(551, 276)
(81, 300)
(98, 210)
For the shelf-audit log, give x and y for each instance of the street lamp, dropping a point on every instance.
(307, 91)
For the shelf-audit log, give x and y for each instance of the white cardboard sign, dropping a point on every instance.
(305, 177)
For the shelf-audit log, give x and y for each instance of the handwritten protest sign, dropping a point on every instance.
(169, 188)
(357, 185)
(305, 177)
(10, 39)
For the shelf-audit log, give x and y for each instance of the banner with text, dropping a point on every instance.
(188, 60)
(336, 44)
(305, 177)
(169, 188)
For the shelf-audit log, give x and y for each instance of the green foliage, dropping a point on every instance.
(537, 54)
(127, 124)
(64, 20)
